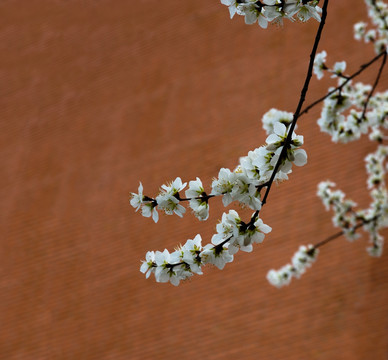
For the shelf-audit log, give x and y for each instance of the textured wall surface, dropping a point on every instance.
(99, 95)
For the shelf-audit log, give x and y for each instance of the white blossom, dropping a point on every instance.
(273, 11)
(168, 200)
(300, 261)
(216, 255)
(307, 11)
(359, 30)
(198, 199)
(232, 4)
(191, 254)
(137, 199)
(224, 185)
(319, 64)
(148, 266)
(149, 210)
(339, 68)
(273, 116)
(164, 272)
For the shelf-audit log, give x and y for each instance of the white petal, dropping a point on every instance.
(144, 267)
(279, 128)
(265, 228)
(263, 22)
(155, 215)
(300, 157)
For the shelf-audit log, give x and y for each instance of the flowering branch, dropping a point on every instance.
(375, 84)
(347, 79)
(340, 233)
(371, 219)
(301, 99)
(303, 259)
(273, 161)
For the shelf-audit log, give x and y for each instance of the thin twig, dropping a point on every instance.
(374, 85)
(338, 234)
(358, 72)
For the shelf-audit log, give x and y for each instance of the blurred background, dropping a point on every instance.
(99, 95)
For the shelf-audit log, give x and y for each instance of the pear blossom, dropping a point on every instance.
(278, 138)
(300, 261)
(191, 254)
(359, 30)
(252, 13)
(198, 199)
(164, 272)
(232, 4)
(275, 142)
(148, 266)
(370, 36)
(376, 134)
(168, 199)
(373, 218)
(224, 185)
(378, 14)
(339, 68)
(344, 215)
(216, 255)
(146, 205)
(267, 11)
(227, 228)
(280, 277)
(376, 250)
(276, 279)
(137, 199)
(249, 169)
(319, 64)
(174, 187)
(307, 12)
(245, 191)
(249, 235)
(273, 116)
(149, 210)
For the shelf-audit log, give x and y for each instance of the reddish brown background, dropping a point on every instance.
(97, 95)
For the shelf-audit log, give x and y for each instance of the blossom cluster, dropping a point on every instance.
(183, 262)
(301, 260)
(378, 13)
(232, 235)
(243, 184)
(375, 216)
(267, 11)
(344, 215)
(345, 128)
(350, 111)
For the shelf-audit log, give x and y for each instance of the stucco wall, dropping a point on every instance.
(99, 95)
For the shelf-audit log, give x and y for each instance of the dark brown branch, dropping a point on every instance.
(358, 72)
(340, 233)
(374, 85)
(300, 103)
(297, 111)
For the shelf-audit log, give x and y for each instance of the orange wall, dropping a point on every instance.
(99, 95)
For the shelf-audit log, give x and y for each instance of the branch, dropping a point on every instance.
(358, 72)
(301, 101)
(340, 233)
(374, 85)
